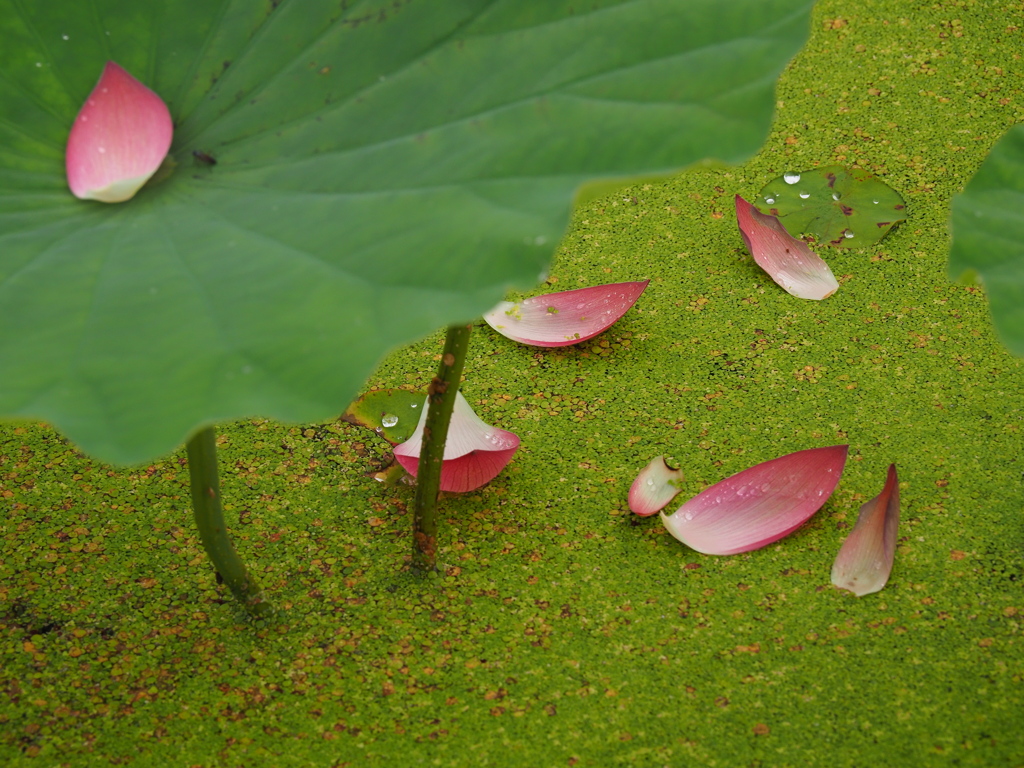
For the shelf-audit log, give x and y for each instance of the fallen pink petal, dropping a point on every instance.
(119, 139)
(865, 560)
(787, 259)
(567, 317)
(759, 505)
(474, 453)
(654, 487)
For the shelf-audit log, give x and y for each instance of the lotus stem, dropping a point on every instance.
(440, 402)
(202, 468)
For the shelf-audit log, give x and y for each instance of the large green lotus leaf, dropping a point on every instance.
(846, 207)
(383, 169)
(988, 235)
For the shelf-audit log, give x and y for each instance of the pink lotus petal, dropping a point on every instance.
(758, 505)
(654, 487)
(118, 140)
(474, 453)
(786, 259)
(567, 317)
(865, 560)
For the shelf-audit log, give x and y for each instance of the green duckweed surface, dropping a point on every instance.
(561, 630)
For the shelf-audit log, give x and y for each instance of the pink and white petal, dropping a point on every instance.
(654, 487)
(759, 505)
(865, 560)
(474, 453)
(118, 140)
(787, 259)
(567, 317)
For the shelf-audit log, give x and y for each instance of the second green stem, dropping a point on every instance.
(440, 403)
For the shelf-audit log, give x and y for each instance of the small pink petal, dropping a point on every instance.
(654, 487)
(758, 505)
(567, 317)
(474, 453)
(865, 560)
(119, 139)
(787, 259)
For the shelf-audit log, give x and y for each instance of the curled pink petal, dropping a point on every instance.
(567, 317)
(474, 453)
(119, 139)
(654, 487)
(758, 505)
(787, 259)
(865, 560)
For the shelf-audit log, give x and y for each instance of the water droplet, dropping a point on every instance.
(389, 420)
(39, 63)
(650, 483)
(64, 37)
(414, 405)
(688, 515)
(769, 200)
(804, 195)
(875, 202)
(835, 195)
(766, 487)
(791, 178)
(847, 234)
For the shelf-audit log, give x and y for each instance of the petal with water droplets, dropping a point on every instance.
(119, 139)
(654, 487)
(567, 317)
(787, 259)
(474, 452)
(759, 505)
(865, 560)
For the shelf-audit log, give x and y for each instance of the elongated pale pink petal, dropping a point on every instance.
(865, 560)
(787, 259)
(567, 317)
(474, 453)
(118, 140)
(654, 487)
(758, 505)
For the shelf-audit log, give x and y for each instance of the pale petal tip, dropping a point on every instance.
(654, 487)
(567, 317)
(118, 140)
(788, 260)
(865, 559)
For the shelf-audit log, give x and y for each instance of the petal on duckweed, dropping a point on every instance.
(567, 317)
(118, 140)
(474, 453)
(654, 487)
(865, 560)
(787, 260)
(759, 505)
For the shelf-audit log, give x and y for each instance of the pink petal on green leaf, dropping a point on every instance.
(567, 317)
(759, 505)
(786, 259)
(119, 139)
(654, 487)
(865, 560)
(474, 453)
